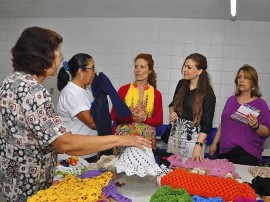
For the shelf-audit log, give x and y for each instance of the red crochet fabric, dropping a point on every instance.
(207, 186)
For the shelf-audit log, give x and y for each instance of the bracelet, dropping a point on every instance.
(255, 129)
(199, 143)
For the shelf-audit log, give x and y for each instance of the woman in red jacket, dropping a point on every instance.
(144, 101)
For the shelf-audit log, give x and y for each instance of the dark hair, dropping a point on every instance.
(80, 60)
(152, 76)
(251, 74)
(35, 50)
(203, 87)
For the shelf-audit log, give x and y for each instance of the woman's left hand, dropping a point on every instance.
(252, 120)
(197, 153)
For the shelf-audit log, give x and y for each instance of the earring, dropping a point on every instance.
(252, 88)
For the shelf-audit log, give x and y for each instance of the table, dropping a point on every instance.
(242, 170)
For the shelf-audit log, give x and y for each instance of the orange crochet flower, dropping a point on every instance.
(207, 186)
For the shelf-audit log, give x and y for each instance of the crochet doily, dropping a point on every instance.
(136, 161)
(69, 165)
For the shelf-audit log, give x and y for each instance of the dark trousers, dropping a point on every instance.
(239, 156)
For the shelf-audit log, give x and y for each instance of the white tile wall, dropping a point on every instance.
(114, 43)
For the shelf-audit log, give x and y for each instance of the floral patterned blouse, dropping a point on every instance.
(151, 105)
(28, 126)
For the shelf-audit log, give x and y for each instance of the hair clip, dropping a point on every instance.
(66, 67)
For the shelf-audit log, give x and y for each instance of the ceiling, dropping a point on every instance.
(247, 10)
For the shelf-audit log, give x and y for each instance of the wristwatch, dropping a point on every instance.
(199, 143)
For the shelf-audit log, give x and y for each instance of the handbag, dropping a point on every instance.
(182, 138)
(166, 133)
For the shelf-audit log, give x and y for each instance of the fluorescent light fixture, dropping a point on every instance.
(233, 9)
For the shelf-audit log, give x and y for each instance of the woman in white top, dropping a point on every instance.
(75, 98)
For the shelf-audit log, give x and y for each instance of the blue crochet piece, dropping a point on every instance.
(197, 198)
(101, 87)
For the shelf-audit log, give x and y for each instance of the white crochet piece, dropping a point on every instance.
(136, 161)
(77, 169)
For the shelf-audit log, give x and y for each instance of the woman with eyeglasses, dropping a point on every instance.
(31, 131)
(241, 139)
(75, 99)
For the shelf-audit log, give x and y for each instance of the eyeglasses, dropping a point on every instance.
(91, 68)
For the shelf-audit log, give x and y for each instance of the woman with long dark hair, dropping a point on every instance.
(192, 109)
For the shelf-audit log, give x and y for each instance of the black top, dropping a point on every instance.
(208, 107)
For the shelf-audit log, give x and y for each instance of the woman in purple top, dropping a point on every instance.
(239, 142)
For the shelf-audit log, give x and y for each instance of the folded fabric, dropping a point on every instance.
(261, 186)
(213, 186)
(101, 88)
(136, 161)
(216, 167)
(169, 194)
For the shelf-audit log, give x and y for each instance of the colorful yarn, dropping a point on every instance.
(207, 186)
(169, 194)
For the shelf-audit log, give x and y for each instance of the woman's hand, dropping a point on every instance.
(139, 116)
(135, 141)
(212, 149)
(252, 120)
(173, 116)
(197, 153)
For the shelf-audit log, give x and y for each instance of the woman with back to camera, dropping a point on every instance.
(192, 108)
(242, 143)
(75, 99)
(32, 132)
(144, 101)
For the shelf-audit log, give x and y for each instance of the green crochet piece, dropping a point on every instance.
(169, 194)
